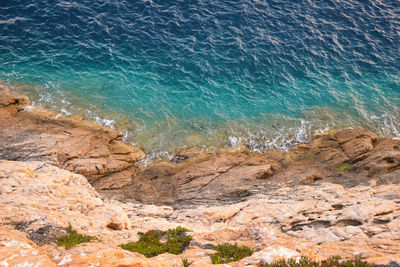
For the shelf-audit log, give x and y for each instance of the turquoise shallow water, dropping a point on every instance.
(209, 73)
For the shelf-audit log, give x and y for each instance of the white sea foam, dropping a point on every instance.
(105, 122)
(62, 112)
(32, 105)
(234, 141)
(126, 134)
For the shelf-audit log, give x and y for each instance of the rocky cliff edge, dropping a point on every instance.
(336, 195)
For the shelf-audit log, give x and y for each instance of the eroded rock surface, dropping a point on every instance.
(348, 157)
(319, 221)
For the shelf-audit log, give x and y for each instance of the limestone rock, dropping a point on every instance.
(285, 222)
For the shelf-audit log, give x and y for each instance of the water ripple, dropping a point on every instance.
(194, 72)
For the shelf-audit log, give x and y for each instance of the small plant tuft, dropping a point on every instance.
(334, 261)
(72, 238)
(343, 167)
(186, 262)
(151, 243)
(229, 253)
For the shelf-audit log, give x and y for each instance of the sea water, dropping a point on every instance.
(208, 73)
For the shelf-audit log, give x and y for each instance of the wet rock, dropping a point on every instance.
(179, 158)
(8, 98)
(68, 142)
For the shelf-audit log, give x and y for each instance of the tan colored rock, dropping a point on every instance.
(16, 249)
(273, 254)
(357, 147)
(69, 142)
(302, 147)
(310, 179)
(155, 211)
(119, 222)
(385, 158)
(116, 180)
(8, 98)
(347, 135)
(285, 222)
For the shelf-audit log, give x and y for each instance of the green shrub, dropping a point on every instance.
(177, 240)
(150, 243)
(334, 261)
(343, 167)
(228, 253)
(147, 245)
(72, 238)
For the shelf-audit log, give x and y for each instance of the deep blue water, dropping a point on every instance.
(174, 74)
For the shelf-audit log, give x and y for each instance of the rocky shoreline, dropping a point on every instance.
(337, 195)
